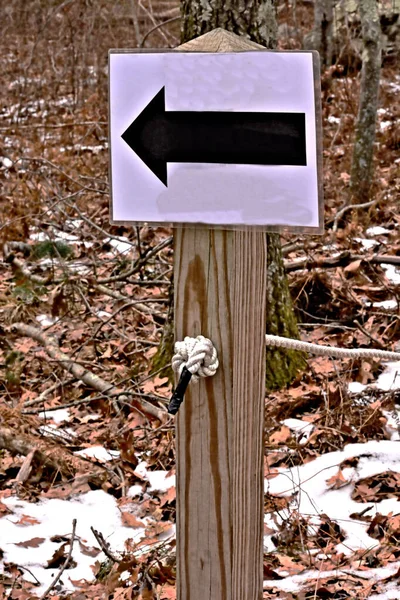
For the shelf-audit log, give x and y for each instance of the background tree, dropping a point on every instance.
(363, 151)
(321, 36)
(254, 19)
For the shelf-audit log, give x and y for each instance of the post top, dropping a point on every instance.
(219, 40)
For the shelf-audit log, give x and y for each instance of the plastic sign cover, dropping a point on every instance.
(218, 139)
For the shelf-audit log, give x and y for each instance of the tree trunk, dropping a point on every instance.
(321, 36)
(282, 367)
(363, 151)
(254, 19)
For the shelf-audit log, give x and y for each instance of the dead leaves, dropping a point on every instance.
(59, 557)
(281, 436)
(377, 487)
(337, 481)
(130, 520)
(26, 520)
(4, 510)
(33, 543)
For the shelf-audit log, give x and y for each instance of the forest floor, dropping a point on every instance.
(83, 429)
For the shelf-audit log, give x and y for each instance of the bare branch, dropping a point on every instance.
(92, 380)
(139, 263)
(105, 546)
(65, 564)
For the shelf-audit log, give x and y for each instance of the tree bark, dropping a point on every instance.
(281, 367)
(363, 151)
(321, 36)
(255, 20)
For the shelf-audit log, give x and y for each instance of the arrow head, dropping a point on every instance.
(147, 136)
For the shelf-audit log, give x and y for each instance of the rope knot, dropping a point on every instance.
(198, 355)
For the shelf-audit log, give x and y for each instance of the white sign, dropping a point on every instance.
(219, 139)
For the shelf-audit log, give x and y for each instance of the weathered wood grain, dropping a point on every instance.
(219, 40)
(220, 281)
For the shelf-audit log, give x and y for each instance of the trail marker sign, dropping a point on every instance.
(224, 136)
(216, 138)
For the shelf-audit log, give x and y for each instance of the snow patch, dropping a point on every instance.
(135, 490)
(74, 223)
(388, 380)
(58, 416)
(46, 321)
(383, 125)
(99, 453)
(392, 273)
(303, 429)
(6, 162)
(160, 481)
(122, 245)
(102, 313)
(355, 387)
(367, 244)
(54, 517)
(377, 230)
(312, 496)
(79, 268)
(386, 304)
(294, 583)
(51, 430)
(393, 424)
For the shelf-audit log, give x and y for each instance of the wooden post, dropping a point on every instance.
(220, 292)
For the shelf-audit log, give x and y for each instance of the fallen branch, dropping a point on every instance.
(288, 248)
(49, 409)
(104, 546)
(50, 455)
(50, 344)
(348, 207)
(16, 263)
(341, 260)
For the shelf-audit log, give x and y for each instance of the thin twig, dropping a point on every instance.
(171, 20)
(135, 20)
(42, 397)
(371, 337)
(105, 547)
(341, 212)
(139, 305)
(93, 224)
(65, 564)
(52, 125)
(139, 263)
(150, 14)
(57, 168)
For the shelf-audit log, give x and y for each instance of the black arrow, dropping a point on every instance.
(246, 138)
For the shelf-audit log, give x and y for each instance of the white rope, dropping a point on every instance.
(198, 355)
(282, 342)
